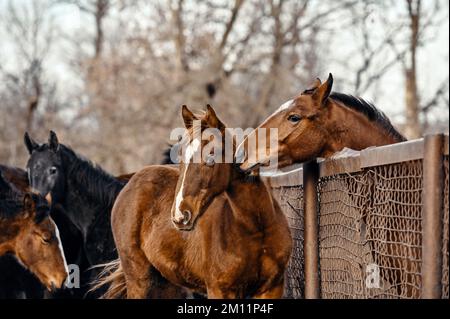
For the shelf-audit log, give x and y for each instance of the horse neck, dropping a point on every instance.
(349, 128)
(88, 193)
(249, 200)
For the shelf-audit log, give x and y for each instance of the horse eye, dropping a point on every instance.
(294, 118)
(53, 170)
(46, 239)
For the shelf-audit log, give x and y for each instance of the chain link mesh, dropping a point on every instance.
(394, 221)
(343, 249)
(370, 232)
(370, 223)
(291, 202)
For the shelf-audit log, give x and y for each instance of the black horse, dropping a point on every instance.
(16, 282)
(82, 190)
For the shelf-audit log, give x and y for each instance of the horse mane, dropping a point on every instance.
(10, 204)
(11, 200)
(15, 176)
(101, 185)
(369, 110)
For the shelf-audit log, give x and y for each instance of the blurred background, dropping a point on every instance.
(109, 76)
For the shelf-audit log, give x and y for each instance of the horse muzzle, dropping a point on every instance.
(183, 221)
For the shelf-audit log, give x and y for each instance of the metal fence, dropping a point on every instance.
(374, 224)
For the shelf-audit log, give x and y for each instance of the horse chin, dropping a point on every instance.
(186, 228)
(45, 280)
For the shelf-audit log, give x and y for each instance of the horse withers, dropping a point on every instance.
(28, 233)
(204, 226)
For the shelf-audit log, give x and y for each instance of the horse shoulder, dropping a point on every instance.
(278, 236)
(142, 197)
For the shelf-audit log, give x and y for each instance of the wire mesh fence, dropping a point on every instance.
(343, 247)
(370, 232)
(291, 202)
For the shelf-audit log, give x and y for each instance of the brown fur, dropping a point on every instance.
(31, 235)
(326, 127)
(239, 245)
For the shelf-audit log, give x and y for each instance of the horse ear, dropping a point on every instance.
(212, 119)
(53, 142)
(316, 83)
(29, 204)
(323, 91)
(30, 143)
(188, 116)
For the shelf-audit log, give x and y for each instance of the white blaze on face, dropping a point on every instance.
(61, 248)
(284, 106)
(240, 149)
(190, 151)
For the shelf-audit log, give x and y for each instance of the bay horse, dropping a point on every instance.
(17, 282)
(28, 232)
(233, 243)
(318, 123)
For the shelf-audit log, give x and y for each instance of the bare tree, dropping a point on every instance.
(413, 127)
(27, 91)
(98, 9)
(419, 21)
(144, 59)
(32, 38)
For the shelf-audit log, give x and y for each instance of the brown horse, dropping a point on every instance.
(28, 232)
(236, 242)
(318, 123)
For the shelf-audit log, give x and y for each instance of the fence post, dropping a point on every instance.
(432, 216)
(311, 240)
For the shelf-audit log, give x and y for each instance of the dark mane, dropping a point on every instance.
(11, 204)
(369, 110)
(15, 176)
(101, 186)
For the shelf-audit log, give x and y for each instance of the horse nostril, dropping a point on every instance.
(186, 217)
